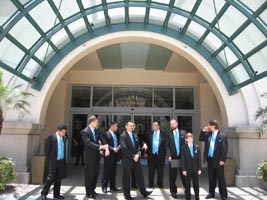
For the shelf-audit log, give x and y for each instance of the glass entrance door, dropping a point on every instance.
(143, 126)
(121, 119)
(79, 122)
(186, 123)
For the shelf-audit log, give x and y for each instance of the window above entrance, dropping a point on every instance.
(36, 35)
(133, 97)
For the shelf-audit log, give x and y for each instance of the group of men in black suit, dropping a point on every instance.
(176, 146)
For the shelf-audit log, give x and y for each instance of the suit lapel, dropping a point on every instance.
(160, 137)
(55, 142)
(91, 134)
(110, 135)
(216, 140)
(130, 140)
(188, 151)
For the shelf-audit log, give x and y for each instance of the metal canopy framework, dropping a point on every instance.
(230, 34)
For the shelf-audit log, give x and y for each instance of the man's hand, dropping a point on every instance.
(107, 153)
(205, 129)
(185, 173)
(136, 158)
(199, 172)
(170, 158)
(116, 149)
(104, 147)
(145, 147)
(221, 163)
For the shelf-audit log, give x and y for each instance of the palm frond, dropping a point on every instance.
(262, 129)
(262, 112)
(1, 77)
(12, 96)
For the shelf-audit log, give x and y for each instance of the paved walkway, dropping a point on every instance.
(73, 189)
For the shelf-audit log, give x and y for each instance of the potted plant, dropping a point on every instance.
(262, 174)
(7, 173)
(12, 97)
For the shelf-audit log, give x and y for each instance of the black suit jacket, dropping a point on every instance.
(128, 150)
(220, 148)
(108, 139)
(50, 151)
(91, 147)
(170, 144)
(51, 148)
(189, 163)
(162, 144)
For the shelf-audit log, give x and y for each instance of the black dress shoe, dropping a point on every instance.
(91, 196)
(43, 197)
(104, 190)
(174, 195)
(210, 196)
(58, 197)
(129, 198)
(146, 193)
(94, 193)
(114, 189)
(223, 198)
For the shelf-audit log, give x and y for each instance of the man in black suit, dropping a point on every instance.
(110, 162)
(131, 151)
(92, 147)
(190, 162)
(175, 139)
(55, 151)
(216, 147)
(156, 155)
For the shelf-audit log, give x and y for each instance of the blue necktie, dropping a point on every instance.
(155, 143)
(114, 139)
(93, 131)
(60, 153)
(132, 139)
(191, 150)
(211, 148)
(177, 142)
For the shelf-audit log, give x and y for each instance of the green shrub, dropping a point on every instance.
(7, 172)
(262, 170)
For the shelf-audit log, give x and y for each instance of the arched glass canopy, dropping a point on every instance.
(231, 34)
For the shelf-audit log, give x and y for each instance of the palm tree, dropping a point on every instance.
(262, 113)
(11, 97)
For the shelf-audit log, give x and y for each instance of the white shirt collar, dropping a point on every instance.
(111, 131)
(176, 130)
(215, 132)
(189, 145)
(58, 136)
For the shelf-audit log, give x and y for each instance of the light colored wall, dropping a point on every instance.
(57, 112)
(133, 77)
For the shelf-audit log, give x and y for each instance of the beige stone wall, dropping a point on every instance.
(57, 113)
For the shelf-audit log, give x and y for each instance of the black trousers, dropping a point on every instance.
(126, 177)
(216, 173)
(91, 175)
(173, 176)
(188, 178)
(54, 175)
(79, 155)
(156, 163)
(109, 172)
